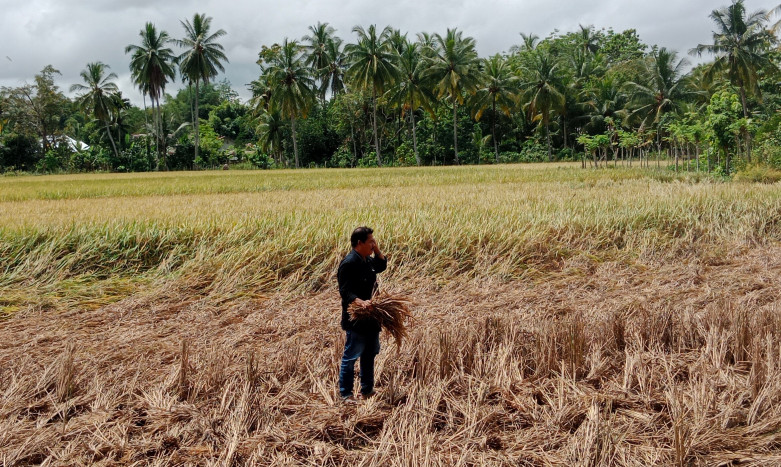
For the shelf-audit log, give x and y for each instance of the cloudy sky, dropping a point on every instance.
(69, 33)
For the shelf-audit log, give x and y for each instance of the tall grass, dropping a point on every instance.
(505, 222)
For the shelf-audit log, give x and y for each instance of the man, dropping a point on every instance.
(357, 278)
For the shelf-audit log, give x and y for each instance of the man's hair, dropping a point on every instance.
(361, 234)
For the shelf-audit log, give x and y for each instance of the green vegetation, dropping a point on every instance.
(597, 96)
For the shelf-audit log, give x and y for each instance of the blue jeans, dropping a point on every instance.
(365, 346)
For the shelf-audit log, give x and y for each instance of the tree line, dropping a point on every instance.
(387, 98)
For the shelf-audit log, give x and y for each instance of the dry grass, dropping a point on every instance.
(391, 310)
(606, 321)
(502, 374)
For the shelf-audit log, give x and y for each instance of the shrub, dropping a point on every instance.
(85, 161)
(568, 155)
(56, 159)
(759, 174)
(260, 160)
(530, 152)
(19, 152)
(405, 155)
(182, 157)
(769, 150)
(368, 160)
(342, 158)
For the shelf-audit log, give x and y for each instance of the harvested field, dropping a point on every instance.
(612, 321)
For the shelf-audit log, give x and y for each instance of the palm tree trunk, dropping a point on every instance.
(355, 148)
(190, 94)
(564, 130)
(196, 121)
(119, 129)
(163, 139)
(161, 135)
(455, 131)
(374, 127)
(295, 144)
(746, 135)
(156, 110)
(399, 126)
(414, 138)
(493, 129)
(432, 145)
(718, 156)
(146, 127)
(547, 137)
(111, 138)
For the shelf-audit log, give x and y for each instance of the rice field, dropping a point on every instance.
(562, 317)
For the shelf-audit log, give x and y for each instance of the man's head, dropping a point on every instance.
(363, 241)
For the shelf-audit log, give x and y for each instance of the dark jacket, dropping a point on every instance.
(357, 278)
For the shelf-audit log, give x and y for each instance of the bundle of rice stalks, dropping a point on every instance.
(391, 310)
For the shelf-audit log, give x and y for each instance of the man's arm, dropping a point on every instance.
(380, 261)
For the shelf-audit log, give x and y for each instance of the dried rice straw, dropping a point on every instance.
(391, 310)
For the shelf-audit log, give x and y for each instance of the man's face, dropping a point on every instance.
(366, 248)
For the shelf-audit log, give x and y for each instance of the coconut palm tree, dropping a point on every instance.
(332, 76)
(410, 92)
(529, 42)
(292, 86)
(261, 93)
(316, 45)
(120, 104)
(372, 67)
(202, 58)
(427, 44)
(542, 89)
(663, 87)
(605, 99)
(151, 66)
(498, 88)
(740, 44)
(587, 40)
(398, 41)
(97, 92)
(317, 48)
(453, 71)
(326, 59)
(270, 130)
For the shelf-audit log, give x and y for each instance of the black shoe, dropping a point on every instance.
(349, 400)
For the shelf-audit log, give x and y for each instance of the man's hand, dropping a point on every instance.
(377, 252)
(363, 303)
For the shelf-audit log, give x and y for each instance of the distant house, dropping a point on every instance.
(73, 145)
